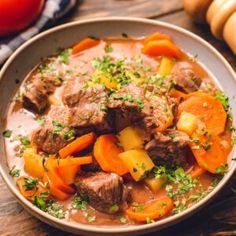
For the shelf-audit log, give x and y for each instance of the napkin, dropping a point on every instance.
(53, 10)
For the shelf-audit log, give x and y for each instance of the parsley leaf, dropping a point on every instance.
(55, 210)
(30, 183)
(64, 56)
(7, 133)
(14, 172)
(80, 204)
(108, 48)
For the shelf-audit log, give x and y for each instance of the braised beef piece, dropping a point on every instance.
(104, 191)
(137, 104)
(169, 147)
(87, 106)
(36, 93)
(53, 135)
(184, 76)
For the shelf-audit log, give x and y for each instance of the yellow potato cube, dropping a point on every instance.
(187, 123)
(155, 184)
(33, 163)
(138, 163)
(130, 139)
(166, 66)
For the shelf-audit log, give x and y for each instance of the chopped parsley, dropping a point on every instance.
(137, 207)
(79, 204)
(108, 48)
(69, 135)
(129, 98)
(222, 169)
(57, 127)
(91, 218)
(64, 56)
(30, 183)
(55, 210)
(123, 220)
(14, 172)
(40, 202)
(114, 208)
(41, 120)
(149, 221)
(7, 133)
(224, 101)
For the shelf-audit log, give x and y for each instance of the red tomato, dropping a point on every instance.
(15, 15)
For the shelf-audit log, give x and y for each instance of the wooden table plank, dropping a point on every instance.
(138, 8)
(14, 220)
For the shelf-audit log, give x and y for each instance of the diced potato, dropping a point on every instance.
(155, 184)
(166, 66)
(103, 79)
(33, 163)
(130, 139)
(187, 123)
(138, 162)
(53, 100)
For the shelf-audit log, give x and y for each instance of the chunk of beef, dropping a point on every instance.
(72, 91)
(87, 106)
(103, 190)
(136, 104)
(184, 76)
(169, 147)
(35, 97)
(52, 136)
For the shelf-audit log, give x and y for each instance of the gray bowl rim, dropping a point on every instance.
(124, 230)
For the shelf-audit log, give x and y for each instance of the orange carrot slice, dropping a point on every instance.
(162, 47)
(78, 145)
(197, 171)
(55, 179)
(212, 159)
(85, 44)
(106, 152)
(54, 190)
(208, 109)
(30, 194)
(69, 167)
(156, 36)
(154, 210)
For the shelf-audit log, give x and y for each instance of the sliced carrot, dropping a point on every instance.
(69, 167)
(54, 191)
(162, 47)
(197, 171)
(85, 44)
(55, 178)
(156, 36)
(213, 158)
(106, 152)
(154, 210)
(68, 173)
(30, 194)
(177, 94)
(208, 109)
(78, 144)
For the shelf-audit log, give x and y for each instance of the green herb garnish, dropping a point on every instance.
(7, 133)
(14, 172)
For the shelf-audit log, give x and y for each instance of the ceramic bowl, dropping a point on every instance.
(48, 42)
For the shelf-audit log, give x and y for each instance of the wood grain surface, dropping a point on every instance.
(219, 217)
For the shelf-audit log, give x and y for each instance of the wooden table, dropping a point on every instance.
(219, 218)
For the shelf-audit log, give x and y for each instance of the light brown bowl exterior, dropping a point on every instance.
(47, 43)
